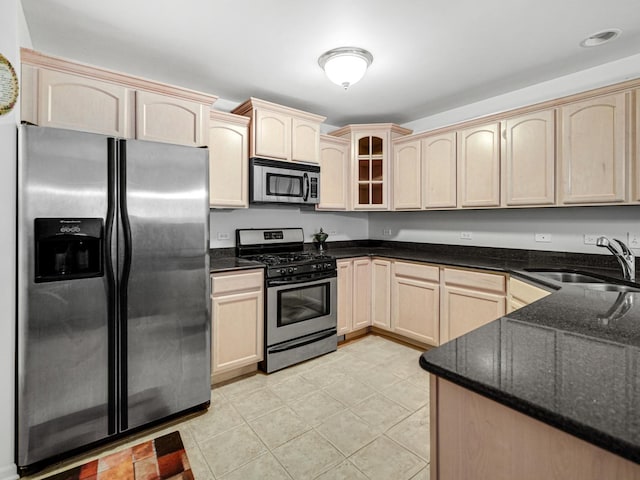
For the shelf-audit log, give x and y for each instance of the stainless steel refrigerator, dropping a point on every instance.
(113, 288)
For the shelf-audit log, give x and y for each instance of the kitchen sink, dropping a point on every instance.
(566, 277)
(610, 287)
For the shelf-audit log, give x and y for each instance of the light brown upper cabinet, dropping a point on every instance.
(228, 165)
(479, 166)
(334, 173)
(592, 149)
(407, 184)
(63, 94)
(63, 100)
(439, 171)
(636, 194)
(370, 158)
(528, 155)
(162, 118)
(280, 132)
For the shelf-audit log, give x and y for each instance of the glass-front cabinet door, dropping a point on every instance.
(371, 172)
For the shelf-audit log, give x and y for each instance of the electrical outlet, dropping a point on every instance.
(543, 237)
(590, 238)
(333, 232)
(386, 232)
(466, 235)
(633, 240)
(223, 236)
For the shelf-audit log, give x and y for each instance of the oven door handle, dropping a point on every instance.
(296, 343)
(281, 283)
(305, 196)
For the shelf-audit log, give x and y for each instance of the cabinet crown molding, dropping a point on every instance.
(252, 103)
(38, 59)
(392, 127)
(229, 117)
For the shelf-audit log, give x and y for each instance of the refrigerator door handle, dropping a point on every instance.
(124, 284)
(112, 294)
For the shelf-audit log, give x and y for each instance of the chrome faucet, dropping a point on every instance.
(624, 256)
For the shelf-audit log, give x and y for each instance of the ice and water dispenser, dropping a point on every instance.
(68, 248)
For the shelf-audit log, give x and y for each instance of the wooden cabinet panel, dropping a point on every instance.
(161, 118)
(345, 296)
(228, 161)
(470, 299)
(593, 150)
(415, 300)
(529, 159)
(272, 134)
(475, 437)
(85, 104)
(381, 293)
(407, 184)
(439, 171)
(479, 166)
(361, 293)
(237, 309)
(334, 174)
(522, 293)
(636, 187)
(305, 141)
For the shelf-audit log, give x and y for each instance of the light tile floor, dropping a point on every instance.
(359, 413)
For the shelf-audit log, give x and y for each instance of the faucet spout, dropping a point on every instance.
(624, 256)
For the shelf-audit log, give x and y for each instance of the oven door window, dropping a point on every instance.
(280, 185)
(305, 303)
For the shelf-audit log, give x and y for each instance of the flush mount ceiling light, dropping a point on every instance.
(345, 65)
(600, 38)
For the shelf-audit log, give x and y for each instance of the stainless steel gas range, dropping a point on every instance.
(301, 303)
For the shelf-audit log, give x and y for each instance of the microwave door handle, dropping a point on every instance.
(305, 196)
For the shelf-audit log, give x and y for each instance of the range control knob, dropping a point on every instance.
(327, 265)
(292, 269)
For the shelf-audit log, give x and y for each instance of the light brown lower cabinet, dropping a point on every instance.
(470, 299)
(354, 294)
(522, 294)
(237, 317)
(475, 437)
(381, 293)
(415, 301)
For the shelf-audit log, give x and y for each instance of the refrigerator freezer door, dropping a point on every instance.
(164, 288)
(63, 371)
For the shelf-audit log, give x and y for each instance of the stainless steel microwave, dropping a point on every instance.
(274, 181)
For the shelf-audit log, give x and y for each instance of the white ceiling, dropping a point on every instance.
(429, 55)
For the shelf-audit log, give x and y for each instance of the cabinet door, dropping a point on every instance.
(370, 171)
(237, 330)
(272, 135)
(79, 103)
(592, 150)
(334, 175)
(305, 141)
(464, 310)
(160, 118)
(228, 164)
(479, 166)
(636, 195)
(381, 293)
(439, 171)
(345, 296)
(416, 305)
(529, 159)
(361, 293)
(407, 176)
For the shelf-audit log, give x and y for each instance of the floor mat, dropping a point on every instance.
(161, 458)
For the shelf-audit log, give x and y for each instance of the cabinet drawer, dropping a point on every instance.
(236, 281)
(475, 280)
(414, 270)
(525, 293)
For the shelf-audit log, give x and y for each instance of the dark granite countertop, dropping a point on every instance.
(571, 359)
(224, 264)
